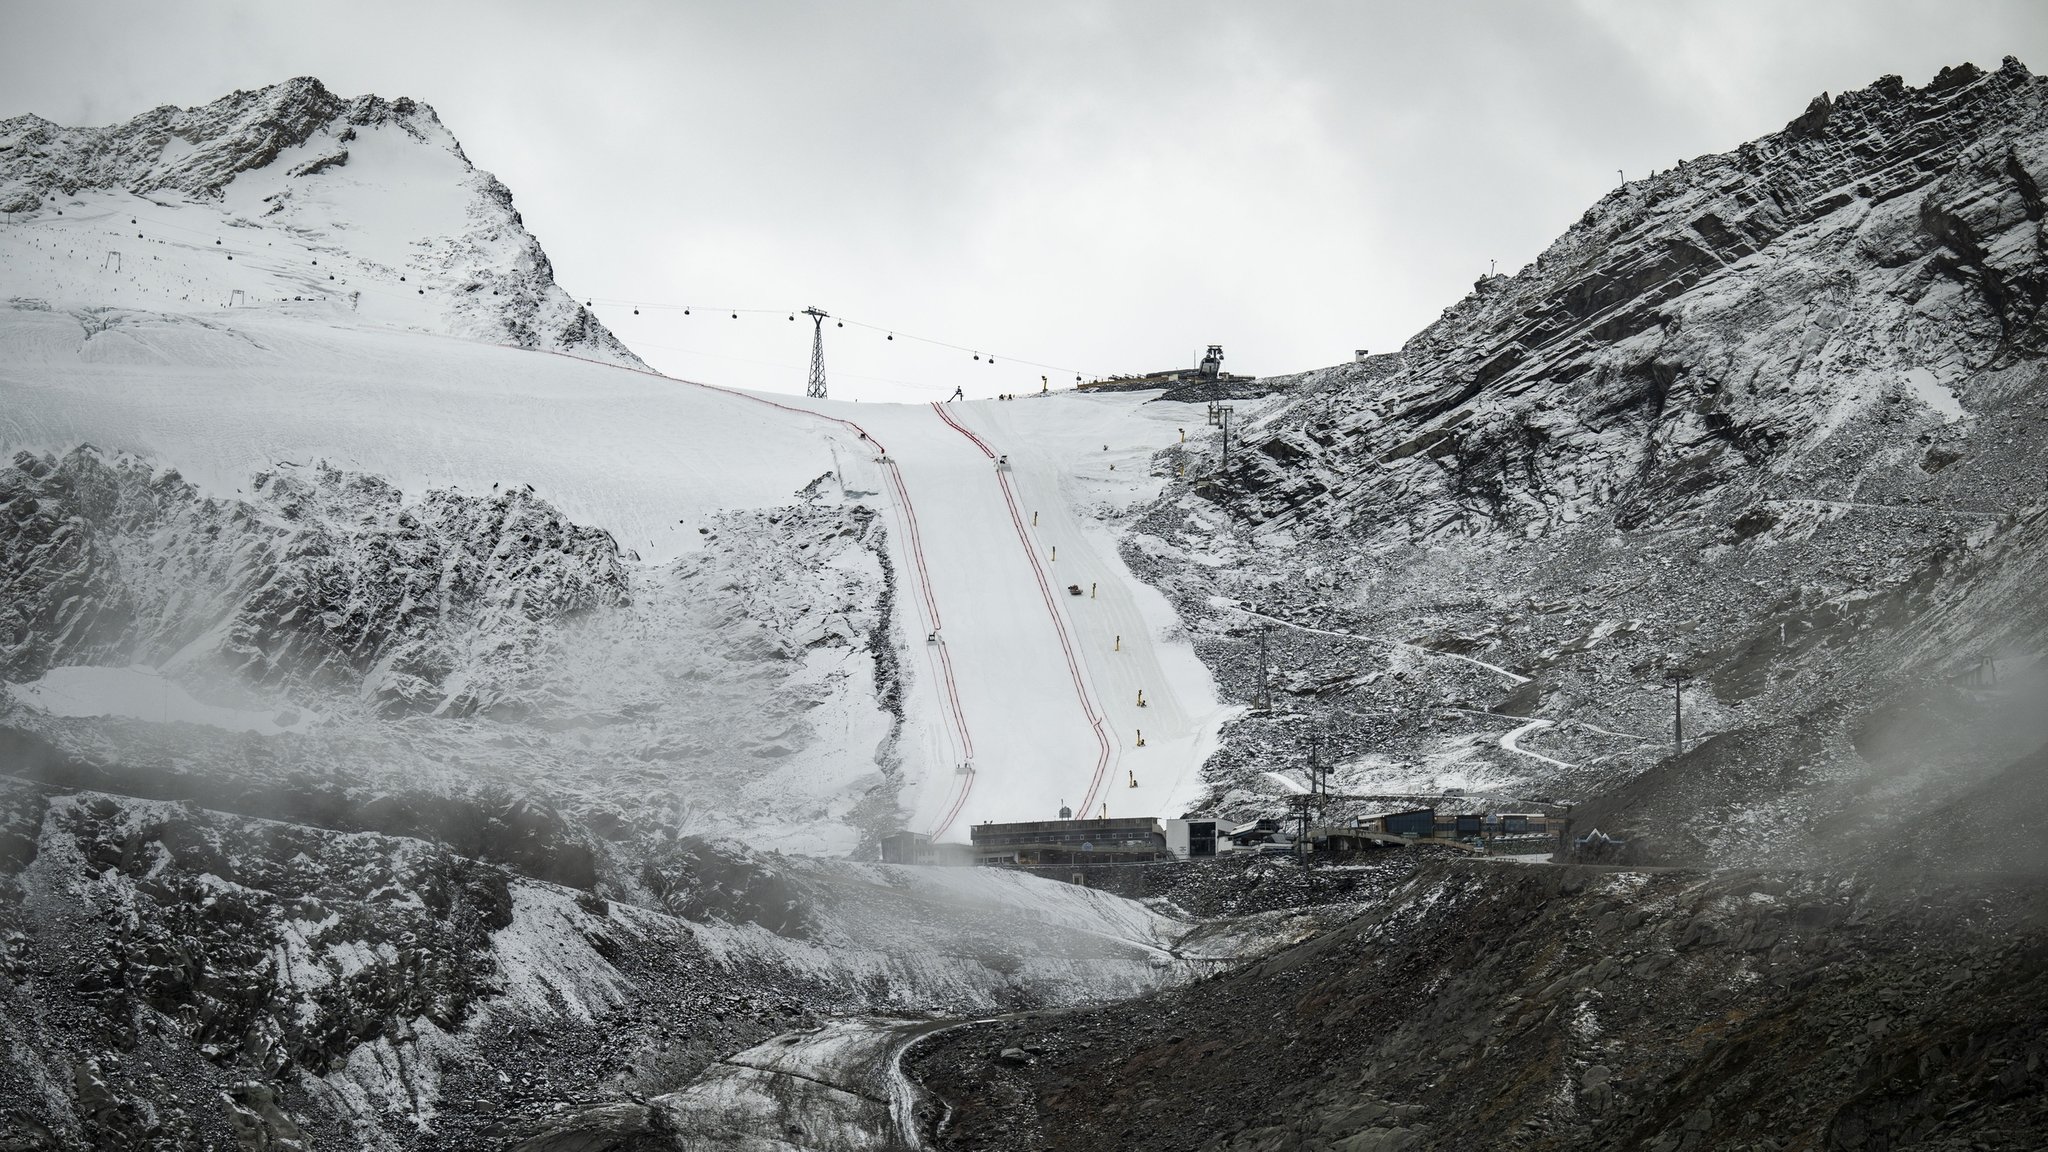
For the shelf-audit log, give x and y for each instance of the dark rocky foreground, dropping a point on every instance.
(1500, 1006)
(478, 973)
(215, 981)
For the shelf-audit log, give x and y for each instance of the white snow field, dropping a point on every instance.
(220, 398)
(1040, 684)
(284, 277)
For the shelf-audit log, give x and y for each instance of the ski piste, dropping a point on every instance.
(1036, 694)
(1090, 710)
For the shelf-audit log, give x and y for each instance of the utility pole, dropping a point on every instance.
(1263, 702)
(816, 389)
(1678, 677)
(1303, 848)
(1219, 417)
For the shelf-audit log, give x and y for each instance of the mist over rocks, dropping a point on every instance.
(179, 973)
(320, 580)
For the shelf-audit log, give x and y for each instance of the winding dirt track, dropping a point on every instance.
(836, 1088)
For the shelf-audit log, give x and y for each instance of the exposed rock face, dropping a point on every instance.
(1772, 418)
(320, 579)
(326, 171)
(1715, 324)
(215, 143)
(209, 979)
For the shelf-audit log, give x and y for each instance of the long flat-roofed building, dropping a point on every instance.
(1113, 840)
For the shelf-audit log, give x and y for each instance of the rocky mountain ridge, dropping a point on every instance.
(195, 150)
(1718, 323)
(449, 641)
(1770, 421)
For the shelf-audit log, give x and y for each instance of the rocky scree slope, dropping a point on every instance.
(181, 975)
(324, 198)
(1505, 1007)
(1773, 418)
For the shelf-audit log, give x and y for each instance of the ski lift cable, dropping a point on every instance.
(838, 375)
(277, 263)
(962, 348)
(894, 333)
(280, 262)
(611, 302)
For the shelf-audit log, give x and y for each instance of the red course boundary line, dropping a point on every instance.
(708, 387)
(910, 518)
(916, 543)
(1059, 623)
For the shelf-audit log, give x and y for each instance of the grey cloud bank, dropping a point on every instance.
(1105, 187)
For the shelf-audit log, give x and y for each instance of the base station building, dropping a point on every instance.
(1121, 839)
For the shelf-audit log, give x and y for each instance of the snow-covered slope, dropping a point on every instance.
(778, 675)
(661, 465)
(287, 199)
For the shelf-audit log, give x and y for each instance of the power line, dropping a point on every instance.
(843, 375)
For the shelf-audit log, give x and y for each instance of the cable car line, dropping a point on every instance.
(842, 321)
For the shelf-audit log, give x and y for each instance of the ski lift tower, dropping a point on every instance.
(816, 389)
(1219, 417)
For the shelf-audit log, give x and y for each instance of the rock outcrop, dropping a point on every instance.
(1739, 320)
(320, 579)
(1488, 1006)
(1770, 420)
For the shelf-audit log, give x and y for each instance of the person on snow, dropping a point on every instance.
(958, 394)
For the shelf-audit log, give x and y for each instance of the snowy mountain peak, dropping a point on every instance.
(194, 150)
(361, 205)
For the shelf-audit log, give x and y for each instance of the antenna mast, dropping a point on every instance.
(816, 389)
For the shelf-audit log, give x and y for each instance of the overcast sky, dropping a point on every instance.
(1105, 187)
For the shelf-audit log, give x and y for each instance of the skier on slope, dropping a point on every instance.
(959, 393)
